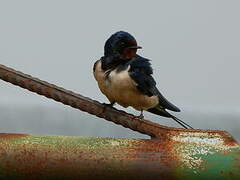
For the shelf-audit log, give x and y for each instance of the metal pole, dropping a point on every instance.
(24, 156)
(93, 107)
(174, 154)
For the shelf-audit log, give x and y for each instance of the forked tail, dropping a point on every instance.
(183, 124)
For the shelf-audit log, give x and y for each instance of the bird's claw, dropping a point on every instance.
(140, 117)
(107, 105)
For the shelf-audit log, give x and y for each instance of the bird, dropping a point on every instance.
(125, 78)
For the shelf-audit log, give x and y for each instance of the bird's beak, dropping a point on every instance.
(135, 47)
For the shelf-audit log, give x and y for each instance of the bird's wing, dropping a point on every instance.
(141, 72)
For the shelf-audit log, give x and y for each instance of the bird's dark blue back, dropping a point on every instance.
(141, 72)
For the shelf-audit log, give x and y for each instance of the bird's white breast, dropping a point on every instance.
(121, 88)
(103, 83)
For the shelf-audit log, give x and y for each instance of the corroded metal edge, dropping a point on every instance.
(25, 156)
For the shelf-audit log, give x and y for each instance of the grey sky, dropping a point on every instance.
(194, 46)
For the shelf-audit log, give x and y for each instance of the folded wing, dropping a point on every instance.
(141, 72)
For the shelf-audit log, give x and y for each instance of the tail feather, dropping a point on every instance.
(182, 123)
(162, 112)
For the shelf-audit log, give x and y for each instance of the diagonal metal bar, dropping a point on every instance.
(94, 107)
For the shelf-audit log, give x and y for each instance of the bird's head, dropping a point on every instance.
(123, 44)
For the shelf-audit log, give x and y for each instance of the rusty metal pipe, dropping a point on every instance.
(93, 107)
(24, 156)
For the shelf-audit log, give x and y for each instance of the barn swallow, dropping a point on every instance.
(126, 78)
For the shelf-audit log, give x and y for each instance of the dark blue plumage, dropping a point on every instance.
(117, 42)
(140, 72)
(112, 50)
(114, 46)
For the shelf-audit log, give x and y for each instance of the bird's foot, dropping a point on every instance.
(107, 105)
(140, 117)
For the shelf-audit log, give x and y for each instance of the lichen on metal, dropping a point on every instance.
(211, 162)
(46, 157)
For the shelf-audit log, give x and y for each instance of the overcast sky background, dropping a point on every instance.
(194, 48)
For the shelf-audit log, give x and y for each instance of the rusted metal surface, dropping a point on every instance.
(111, 114)
(61, 157)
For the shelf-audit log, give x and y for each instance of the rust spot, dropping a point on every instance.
(230, 141)
(9, 136)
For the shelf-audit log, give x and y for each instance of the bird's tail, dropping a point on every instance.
(183, 124)
(162, 112)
